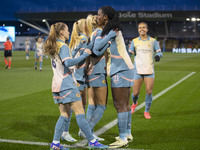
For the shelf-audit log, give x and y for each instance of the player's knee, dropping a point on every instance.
(64, 114)
(128, 107)
(149, 91)
(120, 107)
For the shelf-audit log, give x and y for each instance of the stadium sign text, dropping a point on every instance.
(185, 50)
(130, 14)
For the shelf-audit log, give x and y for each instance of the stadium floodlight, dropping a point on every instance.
(43, 20)
(198, 19)
(184, 30)
(188, 19)
(193, 19)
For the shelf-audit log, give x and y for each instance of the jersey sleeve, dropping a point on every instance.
(100, 52)
(84, 45)
(157, 49)
(156, 46)
(131, 49)
(64, 53)
(100, 42)
(67, 59)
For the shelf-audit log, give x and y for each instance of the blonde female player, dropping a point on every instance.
(79, 39)
(65, 91)
(119, 68)
(95, 79)
(144, 47)
(79, 35)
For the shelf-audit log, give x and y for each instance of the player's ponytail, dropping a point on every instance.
(74, 36)
(78, 27)
(50, 45)
(89, 24)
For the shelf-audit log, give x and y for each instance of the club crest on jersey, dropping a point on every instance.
(53, 63)
(104, 81)
(77, 84)
(77, 95)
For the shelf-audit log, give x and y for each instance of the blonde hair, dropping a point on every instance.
(50, 45)
(91, 22)
(78, 27)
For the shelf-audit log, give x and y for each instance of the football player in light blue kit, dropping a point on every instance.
(119, 68)
(77, 44)
(95, 79)
(65, 91)
(144, 47)
(79, 34)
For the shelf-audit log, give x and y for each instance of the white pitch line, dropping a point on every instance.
(24, 142)
(104, 128)
(114, 122)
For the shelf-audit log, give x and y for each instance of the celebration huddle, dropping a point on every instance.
(96, 51)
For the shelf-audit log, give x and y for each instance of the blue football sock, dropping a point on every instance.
(27, 54)
(90, 112)
(35, 63)
(148, 101)
(84, 126)
(40, 64)
(128, 131)
(134, 98)
(98, 114)
(122, 124)
(60, 125)
(68, 123)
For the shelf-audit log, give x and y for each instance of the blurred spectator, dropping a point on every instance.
(38, 47)
(27, 47)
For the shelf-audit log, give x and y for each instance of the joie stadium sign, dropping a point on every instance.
(129, 14)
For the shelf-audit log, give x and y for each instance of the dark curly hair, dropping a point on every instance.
(113, 20)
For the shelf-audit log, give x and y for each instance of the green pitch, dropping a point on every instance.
(28, 113)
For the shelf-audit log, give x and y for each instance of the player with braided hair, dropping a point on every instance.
(119, 68)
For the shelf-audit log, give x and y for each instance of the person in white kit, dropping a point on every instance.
(38, 47)
(27, 47)
(143, 47)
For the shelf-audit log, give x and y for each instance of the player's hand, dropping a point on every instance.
(157, 58)
(88, 51)
(117, 31)
(83, 41)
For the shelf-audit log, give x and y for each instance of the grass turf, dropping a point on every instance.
(28, 112)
